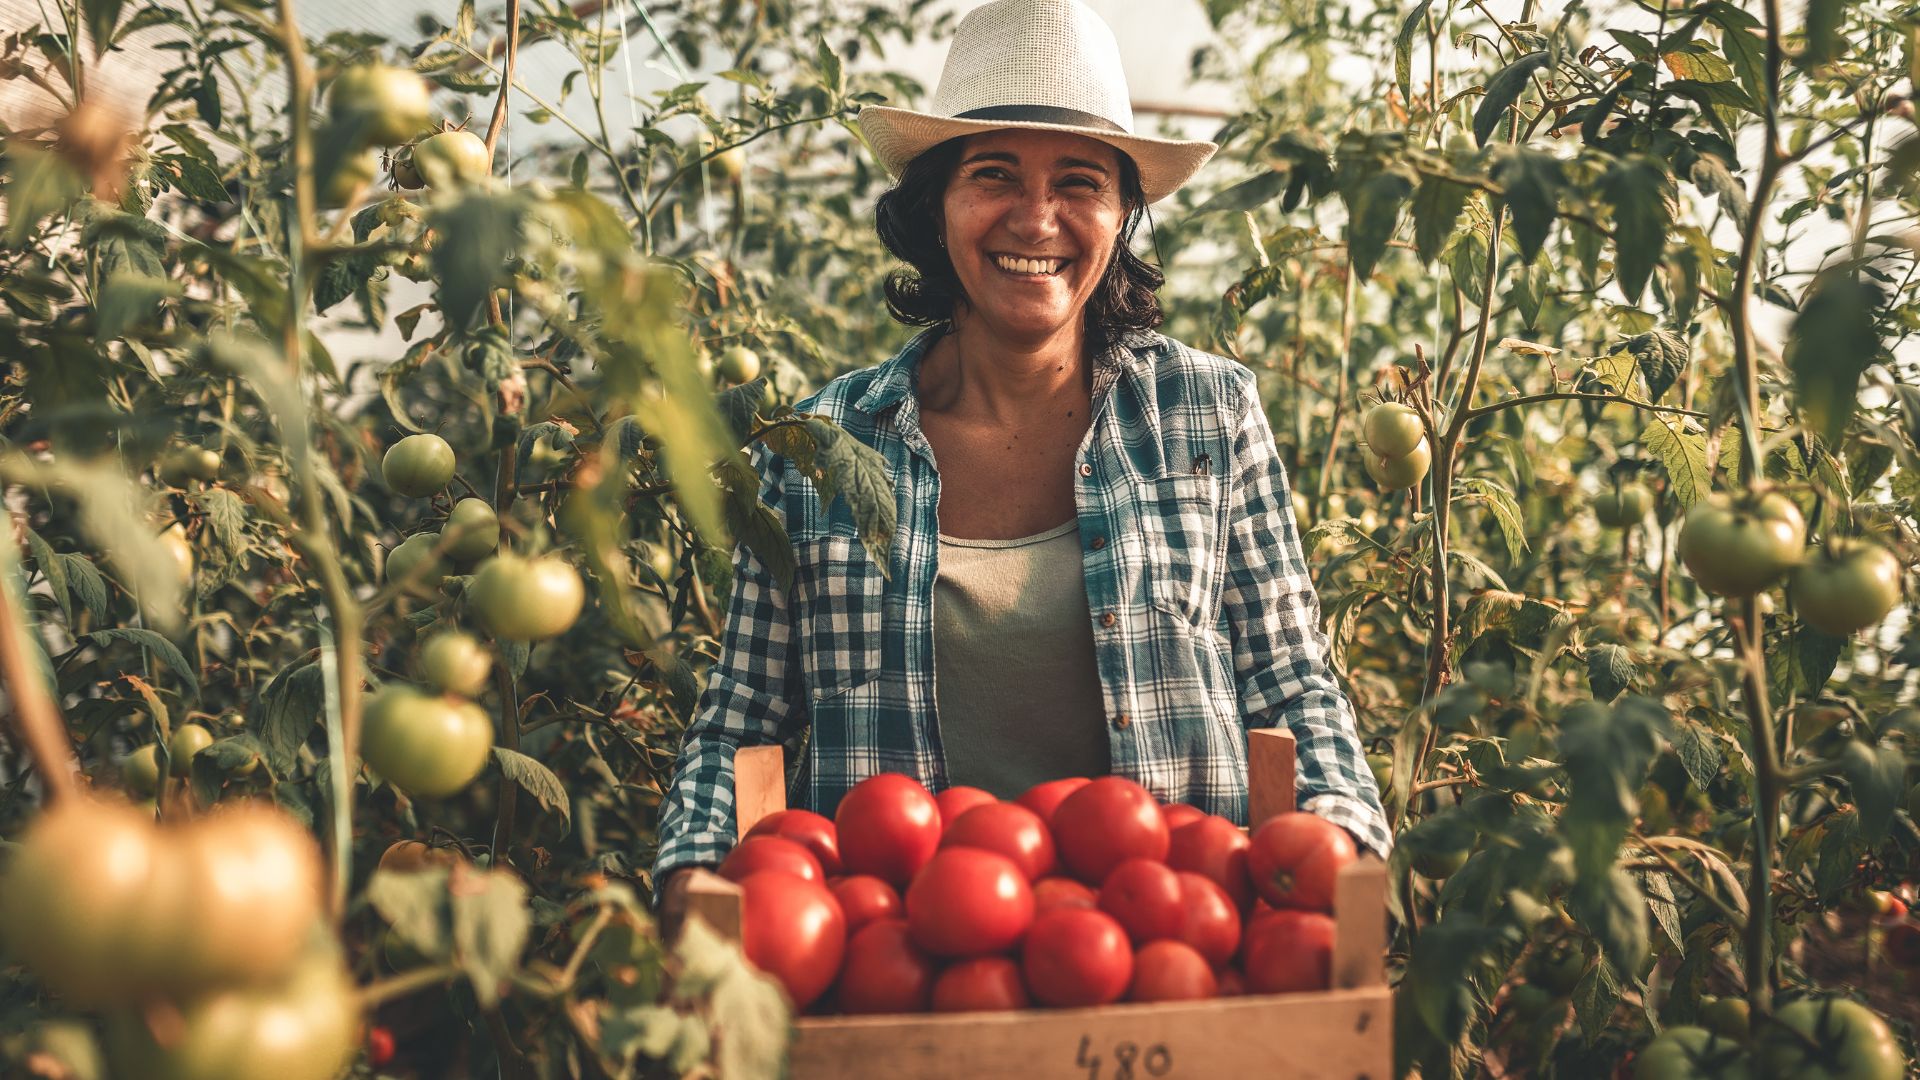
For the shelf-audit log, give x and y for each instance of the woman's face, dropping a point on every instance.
(1031, 222)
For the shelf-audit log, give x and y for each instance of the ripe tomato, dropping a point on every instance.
(1738, 548)
(1103, 824)
(1402, 471)
(1231, 982)
(757, 853)
(305, 1027)
(792, 929)
(1392, 429)
(969, 902)
(429, 745)
(1062, 892)
(414, 562)
(414, 857)
(526, 599)
(1288, 951)
(958, 800)
(1624, 507)
(1208, 920)
(1216, 848)
(1144, 897)
(418, 465)
(379, 1045)
(1178, 814)
(982, 984)
(453, 159)
(1830, 1039)
(1295, 859)
(473, 531)
(455, 663)
(810, 829)
(1009, 829)
(1044, 799)
(253, 884)
(888, 827)
(865, 898)
(885, 972)
(1074, 957)
(1686, 1051)
(1845, 585)
(1171, 971)
(391, 105)
(188, 740)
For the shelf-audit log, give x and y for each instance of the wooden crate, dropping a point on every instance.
(1345, 1032)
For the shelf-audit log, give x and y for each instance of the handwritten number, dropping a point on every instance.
(1159, 1060)
(1123, 1056)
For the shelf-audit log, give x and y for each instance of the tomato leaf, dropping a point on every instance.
(1373, 211)
(1640, 191)
(1662, 356)
(1831, 344)
(290, 706)
(1436, 206)
(155, 643)
(490, 927)
(477, 232)
(1254, 191)
(1502, 91)
(1610, 670)
(1876, 776)
(1403, 48)
(536, 780)
(414, 904)
(1595, 998)
(1532, 180)
(1699, 751)
(1682, 451)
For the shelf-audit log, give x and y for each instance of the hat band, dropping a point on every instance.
(1042, 114)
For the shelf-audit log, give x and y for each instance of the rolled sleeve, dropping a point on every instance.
(1279, 650)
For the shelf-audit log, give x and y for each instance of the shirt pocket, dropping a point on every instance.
(1185, 544)
(838, 613)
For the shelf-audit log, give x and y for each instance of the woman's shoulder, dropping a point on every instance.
(1181, 373)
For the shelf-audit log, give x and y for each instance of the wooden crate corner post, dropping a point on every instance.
(1269, 774)
(759, 784)
(715, 901)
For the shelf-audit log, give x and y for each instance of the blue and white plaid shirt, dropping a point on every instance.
(1205, 621)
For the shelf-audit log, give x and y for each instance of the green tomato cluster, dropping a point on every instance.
(1624, 507)
(1739, 547)
(1397, 452)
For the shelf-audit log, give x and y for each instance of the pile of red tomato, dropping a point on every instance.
(1081, 892)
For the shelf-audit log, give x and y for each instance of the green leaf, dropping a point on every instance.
(536, 780)
(1825, 43)
(1607, 753)
(1499, 501)
(841, 465)
(1373, 209)
(1831, 344)
(1610, 670)
(1801, 669)
(490, 927)
(1307, 164)
(226, 516)
(1640, 191)
(102, 17)
(1532, 180)
(290, 706)
(1712, 177)
(414, 904)
(740, 405)
(192, 177)
(1595, 997)
(478, 231)
(1502, 91)
(38, 184)
(1403, 51)
(130, 300)
(151, 641)
(1662, 356)
(85, 583)
(1682, 451)
(1246, 195)
(1436, 206)
(1876, 775)
(753, 523)
(1699, 751)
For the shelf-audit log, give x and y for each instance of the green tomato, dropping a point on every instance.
(739, 364)
(1440, 865)
(1557, 967)
(453, 159)
(474, 529)
(418, 465)
(1692, 1053)
(1382, 767)
(1831, 1039)
(526, 599)
(356, 173)
(184, 463)
(305, 1027)
(455, 663)
(140, 770)
(417, 551)
(1739, 547)
(1845, 585)
(179, 553)
(1624, 507)
(1403, 471)
(1726, 1016)
(1392, 430)
(429, 745)
(390, 104)
(188, 740)
(252, 889)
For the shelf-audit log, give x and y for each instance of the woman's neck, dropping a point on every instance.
(977, 374)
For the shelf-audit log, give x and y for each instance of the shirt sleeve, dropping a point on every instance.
(1279, 650)
(752, 697)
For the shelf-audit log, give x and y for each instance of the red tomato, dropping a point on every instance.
(792, 929)
(1288, 951)
(1232, 983)
(864, 898)
(1209, 921)
(1008, 828)
(969, 902)
(810, 829)
(885, 971)
(1295, 859)
(1105, 823)
(1171, 971)
(958, 800)
(889, 827)
(1044, 799)
(1178, 814)
(379, 1045)
(757, 853)
(1216, 848)
(1076, 957)
(983, 984)
(1144, 897)
(1062, 892)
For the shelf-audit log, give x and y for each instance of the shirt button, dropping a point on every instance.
(1109, 619)
(1086, 468)
(1121, 721)
(1099, 542)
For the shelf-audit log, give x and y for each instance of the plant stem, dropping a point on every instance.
(34, 711)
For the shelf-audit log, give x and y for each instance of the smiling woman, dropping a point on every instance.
(1096, 568)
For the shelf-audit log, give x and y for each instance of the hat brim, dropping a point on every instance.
(900, 135)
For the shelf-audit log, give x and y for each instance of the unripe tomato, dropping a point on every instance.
(1629, 504)
(1738, 548)
(473, 531)
(416, 551)
(884, 972)
(1689, 1051)
(1392, 430)
(969, 902)
(1845, 585)
(810, 829)
(426, 744)
(1171, 971)
(739, 364)
(955, 801)
(418, 465)
(455, 663)
(453, 159)
(1404, 471)
(1440, 865)
(355, 174)
(728, 165)
(526, 599)
(400, 167)
(188, 740)
(391, 104)
(1296, 858)
(1009, 829)
(413, 857)
(1105, 823)
(1289, 951)
(254, 890)
(184, 463)
(179, 553)
(304, 1028)
(757, 853)
(140, 770)
(888, 826)
(1074, 957)
(1830, 1039)
(982, 984)
(1727, 1016)
(793, 930)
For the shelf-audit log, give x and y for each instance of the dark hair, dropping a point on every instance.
(926, 291)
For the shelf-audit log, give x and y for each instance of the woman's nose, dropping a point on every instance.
(1035, 217)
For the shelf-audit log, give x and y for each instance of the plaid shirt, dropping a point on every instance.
(1205, 618)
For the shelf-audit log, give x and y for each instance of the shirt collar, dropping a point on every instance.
(1132, 355)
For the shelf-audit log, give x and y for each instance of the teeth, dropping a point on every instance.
(1029, 266)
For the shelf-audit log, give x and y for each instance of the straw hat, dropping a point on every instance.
(1049, 65)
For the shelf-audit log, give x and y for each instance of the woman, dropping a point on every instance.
(1101, 573)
